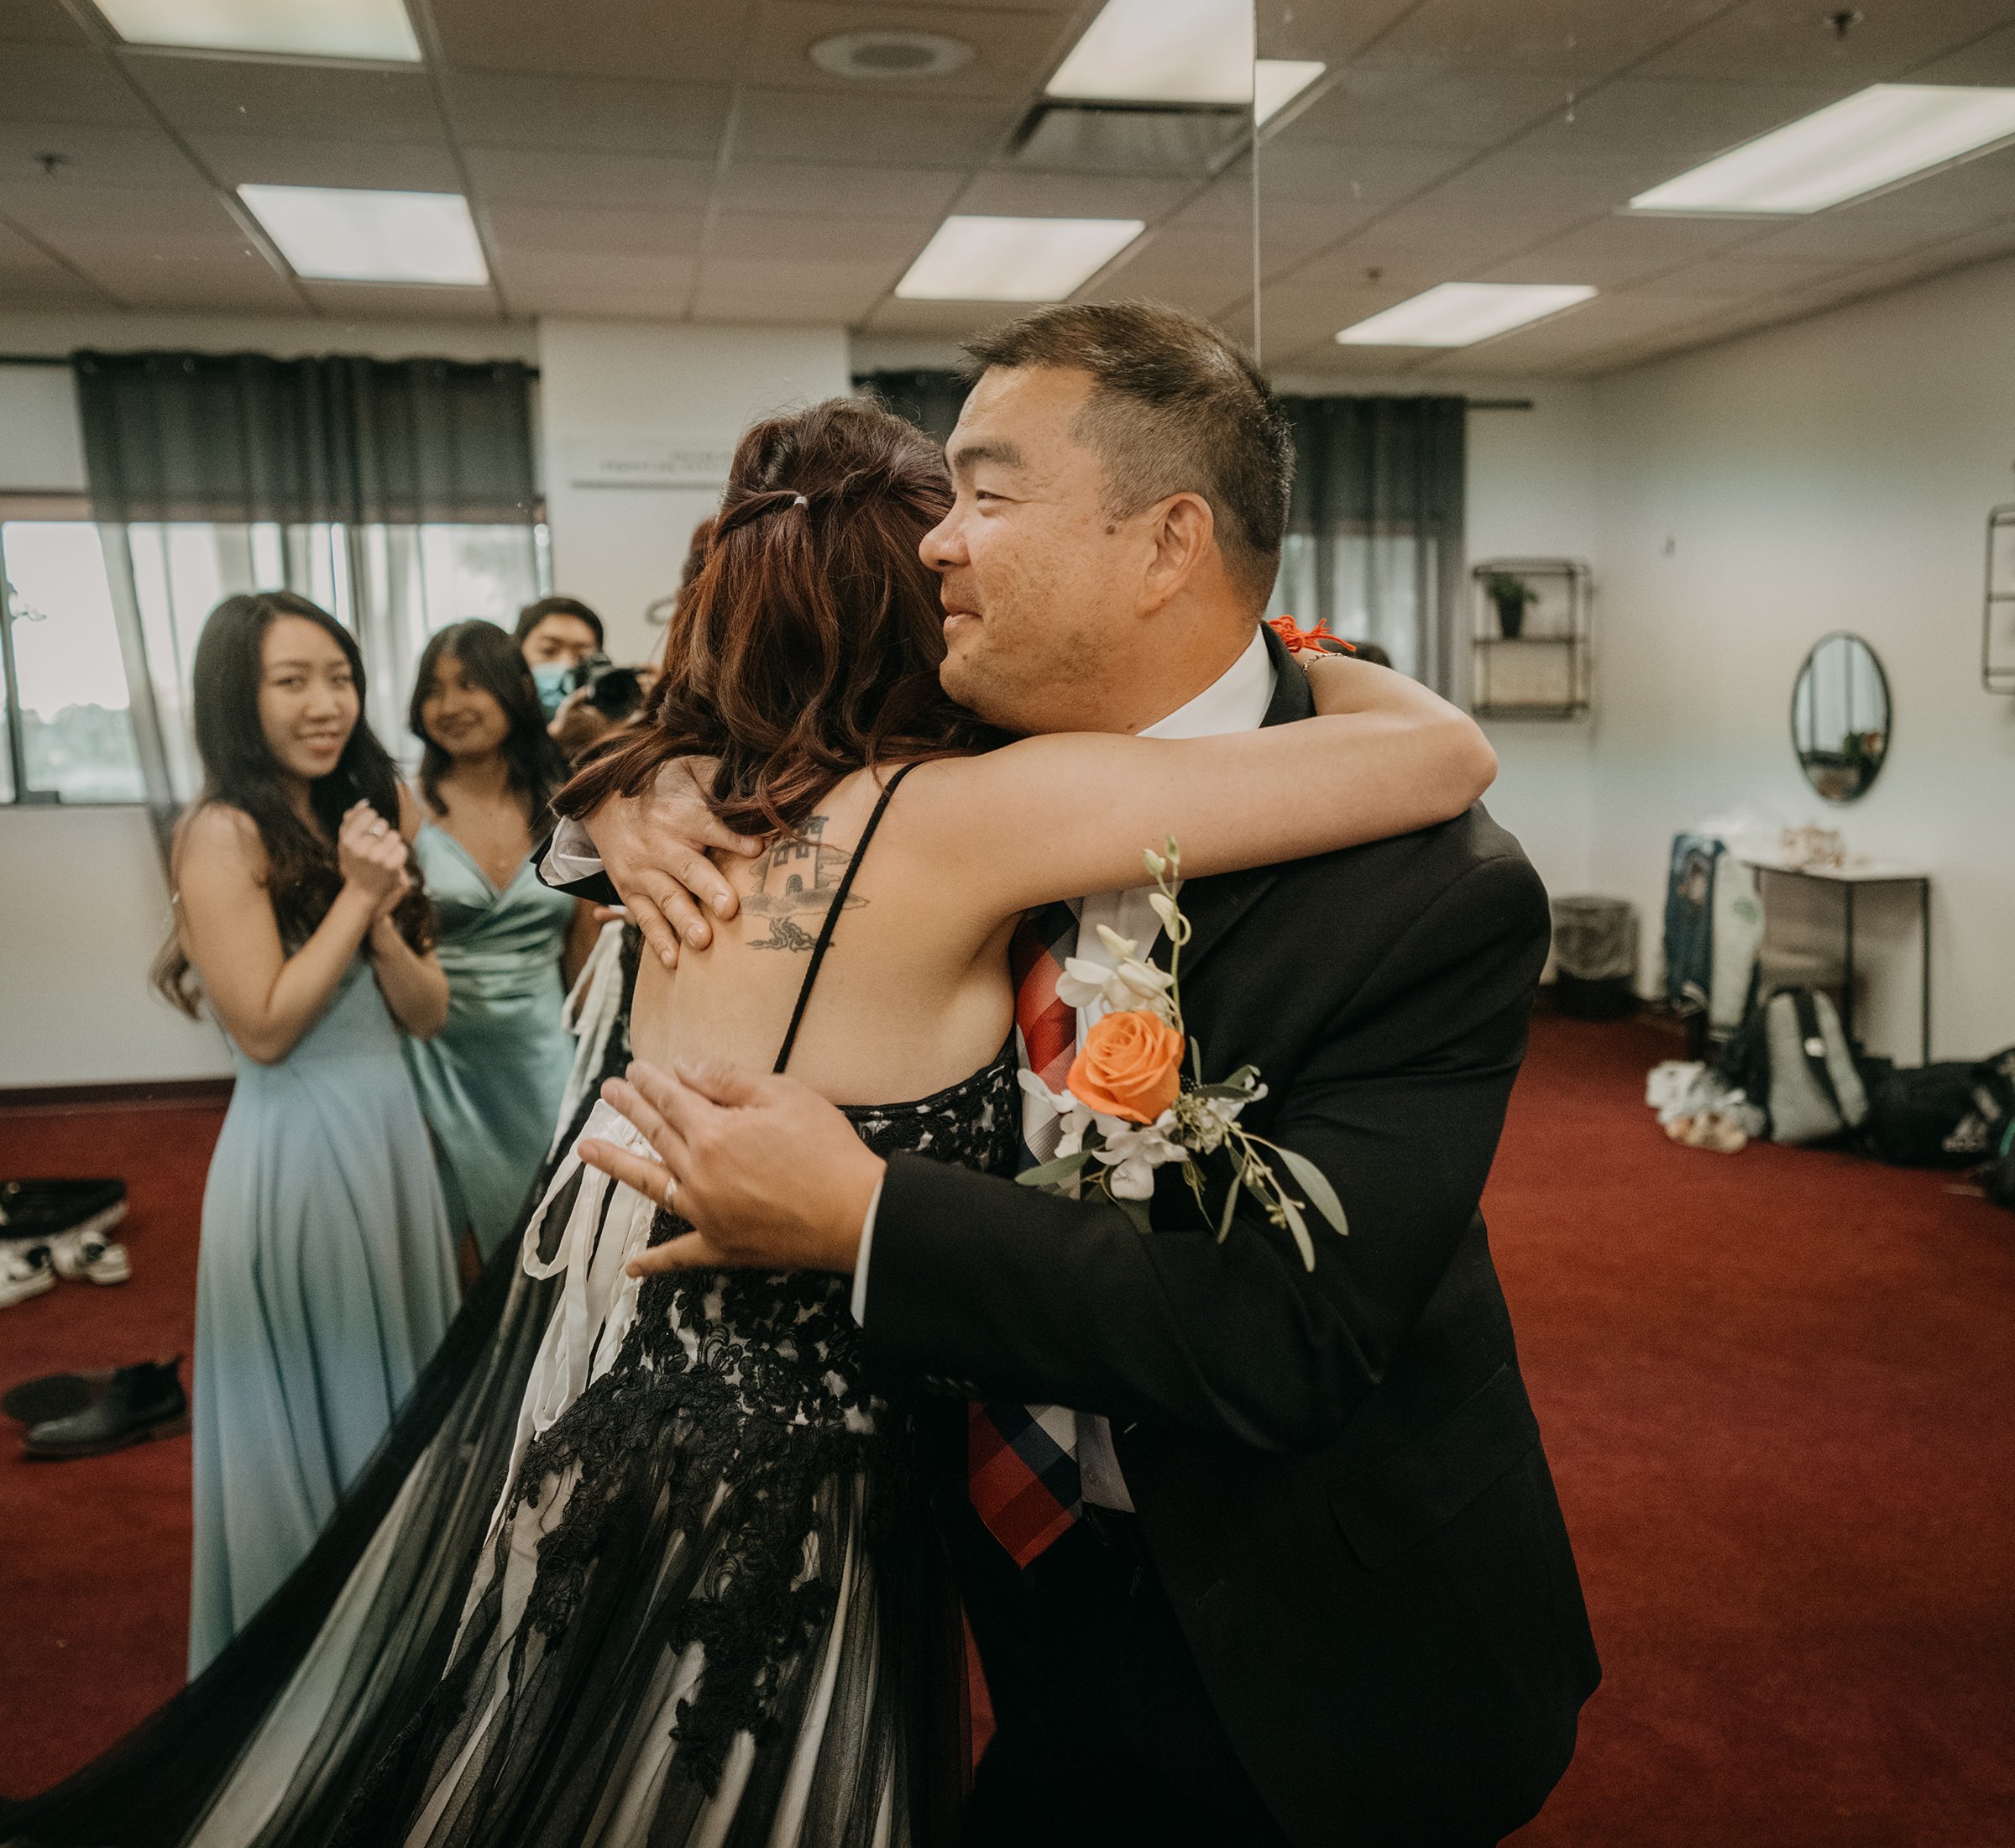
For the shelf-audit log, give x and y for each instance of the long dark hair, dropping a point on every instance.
(532, 763)
(302, 874)
(808, 646)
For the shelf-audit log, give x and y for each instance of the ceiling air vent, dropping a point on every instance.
(1190, 139)
(881, 55)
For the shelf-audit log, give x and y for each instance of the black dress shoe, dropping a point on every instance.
(55, 1394)
(137, 1403)
(46, 1209)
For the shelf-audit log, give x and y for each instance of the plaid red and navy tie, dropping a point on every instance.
(1022, 1460)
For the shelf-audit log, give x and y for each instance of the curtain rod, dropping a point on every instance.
(62, 360)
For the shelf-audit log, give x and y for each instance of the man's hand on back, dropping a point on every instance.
(770, 1176)
(654, 848)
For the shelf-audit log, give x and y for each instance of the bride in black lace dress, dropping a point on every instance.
(650, 1565)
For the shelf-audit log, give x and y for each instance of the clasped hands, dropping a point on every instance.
(771, 1176)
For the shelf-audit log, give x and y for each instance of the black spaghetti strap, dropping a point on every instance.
(832, 917)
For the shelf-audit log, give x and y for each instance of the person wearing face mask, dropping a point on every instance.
(555, 635)
(490, 1082)
(324, 1278)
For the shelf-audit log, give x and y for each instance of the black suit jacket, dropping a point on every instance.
(1337, 1474)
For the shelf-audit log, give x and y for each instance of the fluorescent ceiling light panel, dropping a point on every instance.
(1459, 314)
(374, 30)
(1163, 51)
(1870, 140)
(1277, 81)
(1014, 259)
(333, 234)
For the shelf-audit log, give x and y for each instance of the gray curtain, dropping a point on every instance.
(339, 442)
(931, 400)
(1375, 526)
(241, 437)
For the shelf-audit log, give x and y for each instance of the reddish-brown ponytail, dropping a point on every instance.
(808, 646)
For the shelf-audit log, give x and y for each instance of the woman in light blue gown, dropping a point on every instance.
(491, 1080)
(326, 1275)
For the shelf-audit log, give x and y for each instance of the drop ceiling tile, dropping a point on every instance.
(764, 237)
(210, 93)
(1580, 336)
(40, 22)
(1741, 277)
(833, 290)
(143, 222)
(947, 320)
(1983, 187)
(1791, 41)
(1866, 236)
(64, 83)
(1013, 52)
(676, 41)
(381, 301)
(604, 115)
(603, 181)
(1562, 38)
(794, 125)
(209, 278)
(1334, 35)
(1073, 196)
(291, 160)
(578, 232)
(547, 282)
(1684, 122)
(1294, 173)
(95, 156)
(1990, 60)
(838, 190)
(1624, 243)
(1423, 104)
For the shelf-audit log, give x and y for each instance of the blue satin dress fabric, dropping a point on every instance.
(325, 1280)
(491, 1080)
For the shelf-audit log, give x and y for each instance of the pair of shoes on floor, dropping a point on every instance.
(104, 1409)
(60, 1228)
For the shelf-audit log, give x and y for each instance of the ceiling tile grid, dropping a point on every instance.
(690, 158)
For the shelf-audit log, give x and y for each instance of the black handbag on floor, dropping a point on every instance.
(1913, 1115)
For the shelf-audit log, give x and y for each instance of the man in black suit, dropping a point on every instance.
(1292, 1569)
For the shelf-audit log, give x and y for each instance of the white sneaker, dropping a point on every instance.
(25, 1271)
(86, 1255)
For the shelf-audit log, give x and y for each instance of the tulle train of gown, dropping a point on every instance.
(270, 1743)
(714, 1611)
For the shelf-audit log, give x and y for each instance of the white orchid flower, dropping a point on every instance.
(1134, 1150)
(1155, 863)
(1082, 981)
(1164, 908)
(1118, 947)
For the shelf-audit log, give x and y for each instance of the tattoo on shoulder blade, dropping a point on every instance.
(796, 877)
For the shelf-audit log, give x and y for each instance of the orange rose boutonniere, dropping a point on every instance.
(1130, 1065)
(1125, 1112)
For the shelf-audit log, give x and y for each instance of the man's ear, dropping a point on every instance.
(1185, 533)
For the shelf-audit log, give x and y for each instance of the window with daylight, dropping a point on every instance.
(66, 713)
(68, 719)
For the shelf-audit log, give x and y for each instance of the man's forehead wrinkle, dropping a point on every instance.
(969, 454)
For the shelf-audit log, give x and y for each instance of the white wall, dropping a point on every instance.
(41, 441)
(83, 909)
(1835, 474)
(616, 395)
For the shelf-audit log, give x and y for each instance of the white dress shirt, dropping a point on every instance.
(1236, 701)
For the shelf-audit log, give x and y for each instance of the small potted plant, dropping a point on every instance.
(1510, 594)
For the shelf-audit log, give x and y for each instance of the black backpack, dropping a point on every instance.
(1913, 1115)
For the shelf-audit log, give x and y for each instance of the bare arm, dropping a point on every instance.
(413, 982)
(266, 999)
(1072, 812)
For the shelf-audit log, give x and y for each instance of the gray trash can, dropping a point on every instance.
(1595, 957)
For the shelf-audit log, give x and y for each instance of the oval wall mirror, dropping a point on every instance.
(1839, 717)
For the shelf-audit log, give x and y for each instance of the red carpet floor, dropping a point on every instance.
(1778, 1390)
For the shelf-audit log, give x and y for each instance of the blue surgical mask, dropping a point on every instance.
(551, 678)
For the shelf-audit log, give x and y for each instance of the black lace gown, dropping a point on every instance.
(707, 1609)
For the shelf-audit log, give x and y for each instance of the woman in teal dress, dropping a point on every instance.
(491, 1081)
(326, 1275)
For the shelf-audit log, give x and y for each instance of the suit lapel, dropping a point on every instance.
(1214, 905)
